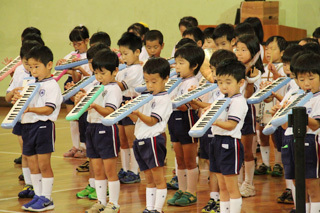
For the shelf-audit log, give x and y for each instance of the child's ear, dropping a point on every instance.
(199, 43)
(195, 67)
(281, 53)
(115, 72)
(233, 41)
(49, 65)
(137, 52)
(241, 82)
(86, 41)
(162, 45)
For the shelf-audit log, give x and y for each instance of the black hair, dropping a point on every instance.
(79, 33)
(224, 30)
(184, 41)
(130, 40)
(310, 40)
(290, 51)
(208, 32)
(220, 55)
(195, 32)
(96, 48)
(312, 47)
(105, 59)
(294, 60)
(34, 37)
(257, 26)
(30, 30)
(193, 54)
(188, 21)
(231, 67)
(316, 33)
(40, 53)
(27, 46)
(153, 35)
(243, 29)
(138, 29)
(307, 63)
(281, 42)
(100, 37)
(157, 65)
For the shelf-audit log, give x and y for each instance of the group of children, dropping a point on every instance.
(229, 146)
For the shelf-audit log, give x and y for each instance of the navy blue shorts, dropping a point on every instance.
(126, 121)
(205, 141)
(311, 157)
(249, 125)
(38, 138)
(69, 79)
(83, 124)
(150, 152)
(102, 141)
(226, 155)
(179, 125)
(17, 129)
(278, 137)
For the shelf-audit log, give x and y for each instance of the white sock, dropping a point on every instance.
(101, 189)
(215, 195)
(254, 146)
(114, 191)
(150, 198)
(36, 183)
(27, 175)
(192, 180)
(182, 179)
(277, 156)
(293, 190)
(176, 165)
(240, 176)
(125, 159)
(83, 145)
(197, 160)
(265, 154)
(75, 134)
(249, 171)
(47, 184)
(235, 205)
(289, 184)
(161, 195)
(224, 207)
(134, 164)
(92, 182)
(308, 208)
(315, 207)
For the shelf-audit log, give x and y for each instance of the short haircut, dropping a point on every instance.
(316, 33)
(40, 53)
(27, 46)
(243, 29)
(224, 30)
(208, 32)
(257, 26)
(138, 29)
(100, 37)
(184, 41)
(195, 32)
(231, 67)
(220, 55)
(310, 40)
(34, 37)
(154, 35)
(290, 51)
(130, 40)
(96, 48)
(157, 65)
(30, 30)
(307, 63)
(193, 54)
(79, 33)
(105, 59)
(188, 21)
(312, 47)
(294, 60)
(281, 42)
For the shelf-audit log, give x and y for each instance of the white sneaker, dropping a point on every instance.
(247, 190)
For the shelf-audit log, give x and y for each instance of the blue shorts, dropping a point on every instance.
(311, 157)
(102, 141)
(278, 137)
(17, 129)
(150, 152)
(179, 125)
(249, 125)
(126, 121)
(68, 102)
(83, 124)
(226, 155)
(205, 141)
(38, 138)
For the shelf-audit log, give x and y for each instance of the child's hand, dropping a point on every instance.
(274, 109)
(69, 85)
(254, 72)
(16, 95)
(193, 87)
(7, 60)
(61, 61)
(136, 112)
(92, 106)
(272, 68)
(263, 84)
(79, 95)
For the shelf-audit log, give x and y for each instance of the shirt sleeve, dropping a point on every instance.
(53, 96)
(113, 97)
(237, 110)
(134, 77)
(161, 108)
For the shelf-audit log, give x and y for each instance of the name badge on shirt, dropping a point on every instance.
(102, 132)
(226, 146)
(141, 143)
(42, 127)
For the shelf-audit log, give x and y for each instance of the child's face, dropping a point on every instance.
(182, 29)
(223, 43)
(80, 46)
(155, 83)
(39, 70)
(286, 69)
(209, 43)
(273, 52)
(154, 48)
(229, 85)
(242, 53)
(183, 68)
(213, 71)
(128, 56)
(25, 64)
(309, 81)
(104, 76)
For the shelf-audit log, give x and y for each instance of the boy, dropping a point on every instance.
(154, 43)
(208, 39)
(151, 121)
(100, 37)
(226, 150)
(223, 36)
(195, 34)
(130, 47)
(316, 34)
(38, 128)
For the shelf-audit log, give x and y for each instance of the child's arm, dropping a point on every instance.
(227, 125)
(46, 110)
(148, 120)
(313, 124)
(10, 95)
(104, 111)
(121, 85)
(250, 86)
(200, 104)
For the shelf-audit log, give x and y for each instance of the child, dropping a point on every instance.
(103, 141)
(304, 41)
(223, 36)
(226, 150)
(130, 47)
(195, 34)
(243, 29)
(316, 34)
(38, 128)
(186, 22)
(151, 121)
(154, 43)
(189, 59)
(208, 39)
(140, 29)
(100, 37)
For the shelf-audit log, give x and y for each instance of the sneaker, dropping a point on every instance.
(71, 152)
(131, 178)
(209, 206)
(96, 208)
(86, 192)
(289, 198)
(111, 208)
(33, 201)
(27, 192)
(186, 199)
(93, 195)
(18, 160)
(146, 211)
(176, 196)
(121, 174)
(216, 208)
(293, 211)
(83, 167)
(155, 211)
(81, 153)
(277, 171)
(247, 190)
(21, 177)
(286, 197)
(42, 204)
(173, 184)
(263, 170)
